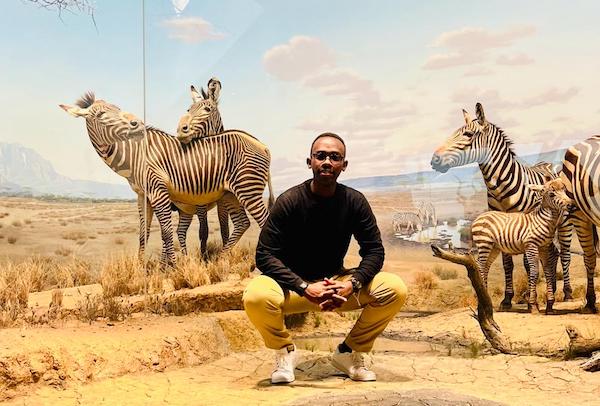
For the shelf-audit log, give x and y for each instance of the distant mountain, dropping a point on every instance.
(25, 172)
(466, 174)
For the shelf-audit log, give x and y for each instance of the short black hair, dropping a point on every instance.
(332, 135)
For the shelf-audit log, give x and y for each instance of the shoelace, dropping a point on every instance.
(282, 361)
(358, 360)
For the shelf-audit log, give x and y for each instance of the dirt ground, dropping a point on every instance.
(431, 353)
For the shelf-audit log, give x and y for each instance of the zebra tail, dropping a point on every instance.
(271, 198)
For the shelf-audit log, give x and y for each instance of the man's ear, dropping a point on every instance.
(308, 162)
(345, 165)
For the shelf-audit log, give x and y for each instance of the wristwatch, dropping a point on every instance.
(303, 286)
(356, 285)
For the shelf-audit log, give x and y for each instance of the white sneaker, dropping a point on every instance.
(353, 365)
(285, 364)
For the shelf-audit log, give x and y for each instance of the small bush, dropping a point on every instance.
(119, 241)
(12, 239)
(17, 223)
(465, 234)
(63, 251)
(27, 221)
(452, 221)
(445, 273)
(74, 235)
(426, 280)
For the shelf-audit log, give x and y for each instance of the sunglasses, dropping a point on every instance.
(322, 155)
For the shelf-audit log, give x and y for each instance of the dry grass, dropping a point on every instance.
(426, 280)
(63, 251)
(14, 293)
(123, 275)
(193, 271)
(74, 235)
(445, 273)
(520, 287)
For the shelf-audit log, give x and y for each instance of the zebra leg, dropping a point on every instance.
(552, 256)
(223, 214)
(585, 233)
(251, 201)
(162, 208)
(182, 228)
(240, 224)
(549, 266)
(531, 252)
(145, 214)
(202, 214)
(528, 272)
(565, 234)
(508, 265)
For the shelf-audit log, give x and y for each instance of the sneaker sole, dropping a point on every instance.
(282, 381)
(339, 367)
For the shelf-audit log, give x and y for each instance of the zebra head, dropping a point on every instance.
(106, 122)
(203, 117)
(552, 195)
(472, 142)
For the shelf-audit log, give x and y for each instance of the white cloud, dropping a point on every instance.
(343, 82)
(478, 71)
(191, 30)
(514, 60)
(300, 57)
(552, 95)
(470, 45)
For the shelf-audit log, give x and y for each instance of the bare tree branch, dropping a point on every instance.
(73, 6)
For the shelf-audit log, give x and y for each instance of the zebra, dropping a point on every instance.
(408, 219)
(427, 213)
(202, 118)
(505, 178)
(166, 171)
(530, 233)
(581, 177)
(207, 101)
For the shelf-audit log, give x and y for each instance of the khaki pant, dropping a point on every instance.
(266, 303)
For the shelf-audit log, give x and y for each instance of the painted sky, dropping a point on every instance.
(391, 77)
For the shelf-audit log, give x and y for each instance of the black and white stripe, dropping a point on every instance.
(530, 233)
(505, 178)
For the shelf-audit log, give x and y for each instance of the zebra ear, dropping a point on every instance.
(214, 89)
(480, 114)
(75, 111)
(196, 97)
(467, 117)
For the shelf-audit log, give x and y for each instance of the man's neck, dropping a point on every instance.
(321, 190)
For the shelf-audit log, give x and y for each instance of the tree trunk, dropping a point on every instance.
(485, 311)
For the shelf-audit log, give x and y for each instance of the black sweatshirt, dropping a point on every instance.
(307, 236)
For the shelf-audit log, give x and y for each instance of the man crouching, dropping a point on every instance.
(300, 252)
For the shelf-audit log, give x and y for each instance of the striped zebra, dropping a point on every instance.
(581, 176)
(228, 205)
(427, 213)
(407, 220)
(190, 175)
(505, 178)
(530, 233)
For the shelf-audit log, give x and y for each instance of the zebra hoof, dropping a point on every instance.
(589, 309)
(549, 309)
(568, 297)
(533, 309)
(505, 306)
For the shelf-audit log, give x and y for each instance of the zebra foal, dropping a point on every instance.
(505, 178)
(530, 233)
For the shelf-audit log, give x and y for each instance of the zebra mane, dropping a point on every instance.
(86, 100)
(508, 141)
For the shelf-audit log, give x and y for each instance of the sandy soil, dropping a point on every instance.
(433, 353)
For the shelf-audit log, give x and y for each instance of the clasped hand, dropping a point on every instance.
(329, 294)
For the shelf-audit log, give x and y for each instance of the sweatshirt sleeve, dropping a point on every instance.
(271, 244)
(368, 237)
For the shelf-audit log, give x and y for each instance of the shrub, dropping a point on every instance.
(445, 273)
(426, 280)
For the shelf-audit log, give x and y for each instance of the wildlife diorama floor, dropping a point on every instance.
(208, 353)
